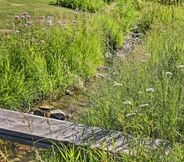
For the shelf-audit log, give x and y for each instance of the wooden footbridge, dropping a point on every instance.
(43, 132)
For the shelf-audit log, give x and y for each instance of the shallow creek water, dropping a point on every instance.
(69, 104)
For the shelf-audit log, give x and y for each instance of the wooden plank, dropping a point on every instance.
(40, 131)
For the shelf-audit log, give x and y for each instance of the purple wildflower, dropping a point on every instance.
(22, 17)
(28, 16)
(42, 17)
(75, 21)
(6, 32)
(77, 9)
(24, 13)
(16, 17)
(28, 23)
(75, 13)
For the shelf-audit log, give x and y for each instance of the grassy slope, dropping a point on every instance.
(39, 7)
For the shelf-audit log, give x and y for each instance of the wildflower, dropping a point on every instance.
(81, 11)
(117, 84)
(150, 90)
(42, 41)
(50, 17)
(127, 103)
(16, 31)
(16, 17)
(168, 73)
(28, 23)
(65, 22)
(6, 32)
(22, 17)
(130, 114)
(75, 13)
(24, 13)
(143, 61)
(76, 9)
(75, 21)
(148, 54)
(181, 66)
(140, 92)
(42, 17)
(28, 16)
(144, 105)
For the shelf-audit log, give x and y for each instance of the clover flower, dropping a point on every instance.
(150, 90)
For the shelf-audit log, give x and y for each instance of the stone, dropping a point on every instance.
(58, 114)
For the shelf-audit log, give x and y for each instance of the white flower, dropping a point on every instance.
(148, 54)
(150, 90)
(130, 114)
(127, 103)
(181, 66)
(140, 92)
(144, 105)
(143, 61)
(117, 84)
(168, 73)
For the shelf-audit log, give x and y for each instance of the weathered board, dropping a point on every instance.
(42, 132)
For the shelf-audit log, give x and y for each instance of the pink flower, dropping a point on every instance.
(42, 17)
(28, 16)
(6, 32)
(22, 17)
(16, 17)
(75, 21)
(24, 13)
(28, 23)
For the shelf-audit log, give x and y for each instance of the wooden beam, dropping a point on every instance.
(41, 132)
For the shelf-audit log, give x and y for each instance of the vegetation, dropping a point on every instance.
(142, 93)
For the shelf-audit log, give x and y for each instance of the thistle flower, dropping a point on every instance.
(75, 13)
(28, 16)
(16, 17)
(6, 32)
(150, 90)
(42, 17)
(28, 23)
(75, 21)
(24, 13)
(22, 17)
